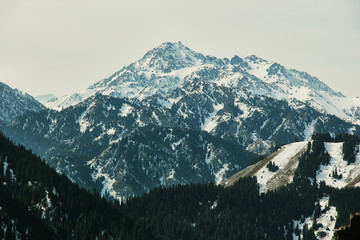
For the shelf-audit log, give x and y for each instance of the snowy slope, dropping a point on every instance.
(173, 65)
(286, 159)
(326, 220)
(59, 103)
(337, 163)
(46, 98)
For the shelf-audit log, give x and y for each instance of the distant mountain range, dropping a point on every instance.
(172, 65)
(14, 103)
(178, 117)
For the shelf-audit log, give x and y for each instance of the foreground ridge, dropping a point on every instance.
(350, 231)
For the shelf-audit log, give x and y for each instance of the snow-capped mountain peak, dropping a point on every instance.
(170, 57)
(46, 98)
(161, 61)
(174, 66)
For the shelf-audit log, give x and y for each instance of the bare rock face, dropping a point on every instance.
(351, 231)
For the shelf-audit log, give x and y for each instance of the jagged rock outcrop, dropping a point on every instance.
(351, 231)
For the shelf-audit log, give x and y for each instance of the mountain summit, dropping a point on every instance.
(159, 71)
(173, 65)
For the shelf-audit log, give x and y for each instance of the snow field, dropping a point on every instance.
(281, 160)
(348, 171)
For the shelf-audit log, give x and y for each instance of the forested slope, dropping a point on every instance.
(38, 203)
(303, 209)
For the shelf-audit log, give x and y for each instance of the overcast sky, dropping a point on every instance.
(60, 47)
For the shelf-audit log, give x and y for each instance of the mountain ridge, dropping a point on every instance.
(170, 65)
(176, 97)
(109, 131)
(286, 160)
(14, 103)
(322, 161)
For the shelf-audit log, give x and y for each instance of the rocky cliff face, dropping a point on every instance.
(351, 231)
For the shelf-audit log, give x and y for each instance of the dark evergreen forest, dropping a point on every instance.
(197, 211)
(73, 213)
(240, 212)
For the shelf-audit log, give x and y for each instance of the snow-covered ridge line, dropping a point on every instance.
(172, 65)
(338, 173)
(286, 159)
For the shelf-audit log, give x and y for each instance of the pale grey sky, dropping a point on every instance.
(60, 47)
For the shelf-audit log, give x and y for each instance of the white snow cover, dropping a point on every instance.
(154, 75)
(155, 116)
(342, 107)
(44, 205)
(83, 123)
(278, 128)
(46, 98)
(59, 103)
(210, 156)
(182, 73)
(111, 131)
(108, 182)
(259, 70)
(211, 121)
(212, 160)
(125, 110)
(5, 167)
(298, 223)
(171, 174)
(309, 130)
(214, 205)
(348, 171)
(176, 144)
(219, 176)
(244, 108)
(280, 160)
(327, 219)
